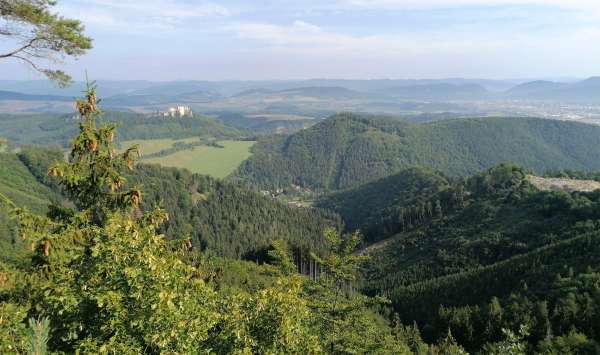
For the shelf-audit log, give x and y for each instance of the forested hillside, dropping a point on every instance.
(376, 207)
(58, 129)
(97, 278)
(228, 220)
(19, 185)
(219, 217)
(480, 262)
(347, 150)
(495, 254)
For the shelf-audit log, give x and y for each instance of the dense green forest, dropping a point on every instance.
(19, 184)
(492, 253)
(93, 275)
(347, 150)
(376, 207)
(216, 216)
(226, 219)
(480, 264)
(58, 129)
(427, 234)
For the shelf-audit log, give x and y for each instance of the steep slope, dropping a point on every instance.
(371, 206)
(18, 184)
(347, 150)
(562, 184)
(500, 243)
(219, 217)
(226, 219)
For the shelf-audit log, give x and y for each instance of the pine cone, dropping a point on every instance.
(47, 248)
(93, 145)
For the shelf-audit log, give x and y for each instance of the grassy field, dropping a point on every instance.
(151, 146)
(216, 162)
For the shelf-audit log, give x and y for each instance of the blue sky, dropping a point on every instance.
(360, 39)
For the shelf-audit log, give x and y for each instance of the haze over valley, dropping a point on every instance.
(261, 104)
(300, 177)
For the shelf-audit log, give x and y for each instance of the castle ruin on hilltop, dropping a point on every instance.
(177, 112)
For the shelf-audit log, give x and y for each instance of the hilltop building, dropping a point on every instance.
(177, 112)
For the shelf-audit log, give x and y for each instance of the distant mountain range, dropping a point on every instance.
(109, 88)
(439, 91)
(583, 91)
(140, 92)
(10, 95)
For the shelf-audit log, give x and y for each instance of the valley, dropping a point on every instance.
(349, 177)
(271, 106)
(458, 217)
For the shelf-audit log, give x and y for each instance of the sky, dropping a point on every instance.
(351, 39)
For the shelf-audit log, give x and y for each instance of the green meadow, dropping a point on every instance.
(208, 160)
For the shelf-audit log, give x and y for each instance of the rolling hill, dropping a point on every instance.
(534, 89)
(371, 206)
(498, 253)
(348, 150)
(439, 91)
(162, 99)
(587, 90)
(57, 129)
(218, 217)
(324, 92)
(10, 95)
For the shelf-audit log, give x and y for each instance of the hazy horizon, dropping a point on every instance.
(307, 79)
(164, 40)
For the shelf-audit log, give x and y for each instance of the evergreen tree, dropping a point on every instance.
(41, 34)
(343, 317)
(513, 344)
(101, 279)
(101, 274)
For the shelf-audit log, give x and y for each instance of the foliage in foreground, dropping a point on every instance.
(99, 279)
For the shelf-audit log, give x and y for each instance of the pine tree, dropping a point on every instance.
(38, 336)
(343, 317)
(99, 272)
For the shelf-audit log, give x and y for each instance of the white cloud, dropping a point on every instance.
(302, 38)
(138, 16)
(164, 8)
(306, 37)
(296, 52)
(424, 4)
(225, 39)
(587, 9)
(307, 26)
